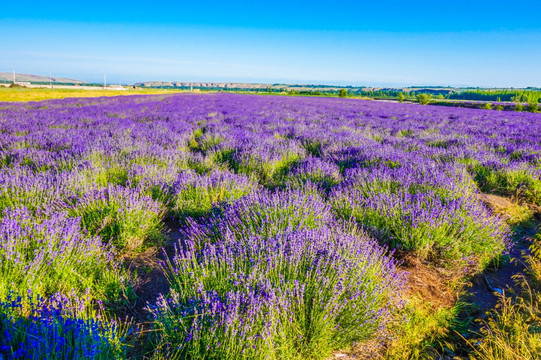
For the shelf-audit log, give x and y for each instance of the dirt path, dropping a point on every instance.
(486, 287)
(151, 281)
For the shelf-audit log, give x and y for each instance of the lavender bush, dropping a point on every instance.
(297, 294)
(433, 213)
(58, 328)
(195, 195)
(46, 254)
(124, 217)
(265, 213)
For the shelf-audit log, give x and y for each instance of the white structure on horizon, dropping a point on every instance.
(116, 87)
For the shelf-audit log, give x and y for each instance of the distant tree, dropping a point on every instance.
(487, 106)
(518, 106)
(499, 108)
(343, 93)
(441, 97)
(533, 105)
(401, 97)
(424, 99)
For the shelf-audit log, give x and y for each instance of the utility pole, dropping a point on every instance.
(104, 80)
(50, 80)
(14, 76)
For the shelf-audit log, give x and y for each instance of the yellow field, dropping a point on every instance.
(25, 94)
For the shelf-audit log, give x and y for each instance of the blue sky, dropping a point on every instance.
(376, 43)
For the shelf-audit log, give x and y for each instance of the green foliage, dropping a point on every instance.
(533, 105)
(324, 180)
(424, 99)
(487, 106)
(343, 93)
(518, 106)
(269, 173)
(499, 108)
(401, 97)
(197, 198)
(496, 95)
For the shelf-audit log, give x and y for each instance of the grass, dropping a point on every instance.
(513, 331)
(423, 331)
(516, 215)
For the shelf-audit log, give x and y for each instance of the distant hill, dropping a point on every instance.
(306, 88)
(234, 86)
(8, 77)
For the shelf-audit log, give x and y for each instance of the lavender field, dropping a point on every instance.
(284, 221)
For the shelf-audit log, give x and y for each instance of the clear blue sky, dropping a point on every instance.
(474, 42)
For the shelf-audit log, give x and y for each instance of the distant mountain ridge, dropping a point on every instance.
(235, 86)
(286, 87)
(8, 77)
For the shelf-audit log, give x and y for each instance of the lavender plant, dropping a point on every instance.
(49, 253)
(265, 213)
(58, 328)
(315, 171)
(122, 216)
(195, 195)
(293, 295)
